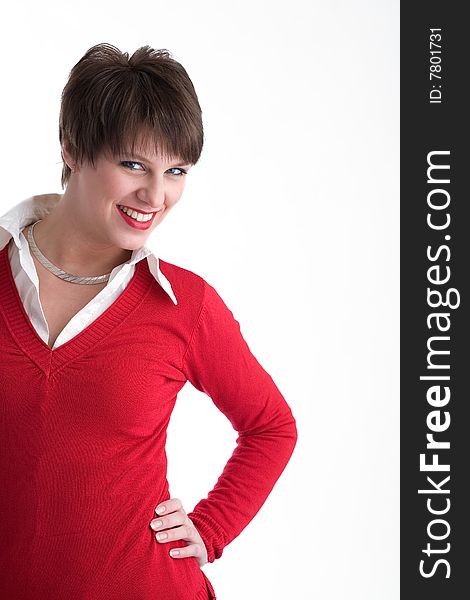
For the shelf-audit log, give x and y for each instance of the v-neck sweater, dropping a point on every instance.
(82, 441)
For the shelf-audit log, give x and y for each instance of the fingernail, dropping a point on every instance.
(161, 536)
(156, 524)
(160, 509)
(174, 552)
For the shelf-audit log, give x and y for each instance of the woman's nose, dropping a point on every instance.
(154, 194)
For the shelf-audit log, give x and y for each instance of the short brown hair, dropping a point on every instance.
(109, 99)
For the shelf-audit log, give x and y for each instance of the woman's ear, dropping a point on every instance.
(67, 157)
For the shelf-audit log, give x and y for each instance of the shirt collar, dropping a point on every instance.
(37, 207)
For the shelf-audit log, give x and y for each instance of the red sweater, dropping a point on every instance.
(82, 441)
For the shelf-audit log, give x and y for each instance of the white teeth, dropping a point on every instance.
(135, 215)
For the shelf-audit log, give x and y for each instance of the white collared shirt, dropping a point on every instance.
(26, 279)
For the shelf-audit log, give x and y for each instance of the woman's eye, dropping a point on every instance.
(181, 171)
(130, 162)
(173, 171)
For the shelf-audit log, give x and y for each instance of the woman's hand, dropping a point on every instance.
(174, 524)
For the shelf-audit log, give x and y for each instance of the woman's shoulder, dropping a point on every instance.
(188, 285)
(181, 275)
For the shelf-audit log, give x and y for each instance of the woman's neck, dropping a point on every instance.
(66, 244)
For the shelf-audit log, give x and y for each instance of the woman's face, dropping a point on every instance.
(148, 184)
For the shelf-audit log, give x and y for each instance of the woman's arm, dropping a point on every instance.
(219, 362)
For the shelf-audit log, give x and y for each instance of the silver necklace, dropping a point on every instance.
(58, 272)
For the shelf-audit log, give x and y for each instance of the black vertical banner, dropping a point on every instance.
(435, 316)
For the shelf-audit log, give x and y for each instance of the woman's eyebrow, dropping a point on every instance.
(145, 159)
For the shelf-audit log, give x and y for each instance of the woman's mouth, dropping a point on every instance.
(136, 219)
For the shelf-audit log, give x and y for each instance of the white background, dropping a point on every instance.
(292, 214)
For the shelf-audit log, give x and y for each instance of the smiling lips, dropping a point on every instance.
(136, 219)
(140, 216)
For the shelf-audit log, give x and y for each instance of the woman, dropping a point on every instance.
(96, 344)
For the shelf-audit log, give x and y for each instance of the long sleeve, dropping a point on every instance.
(219, 363)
